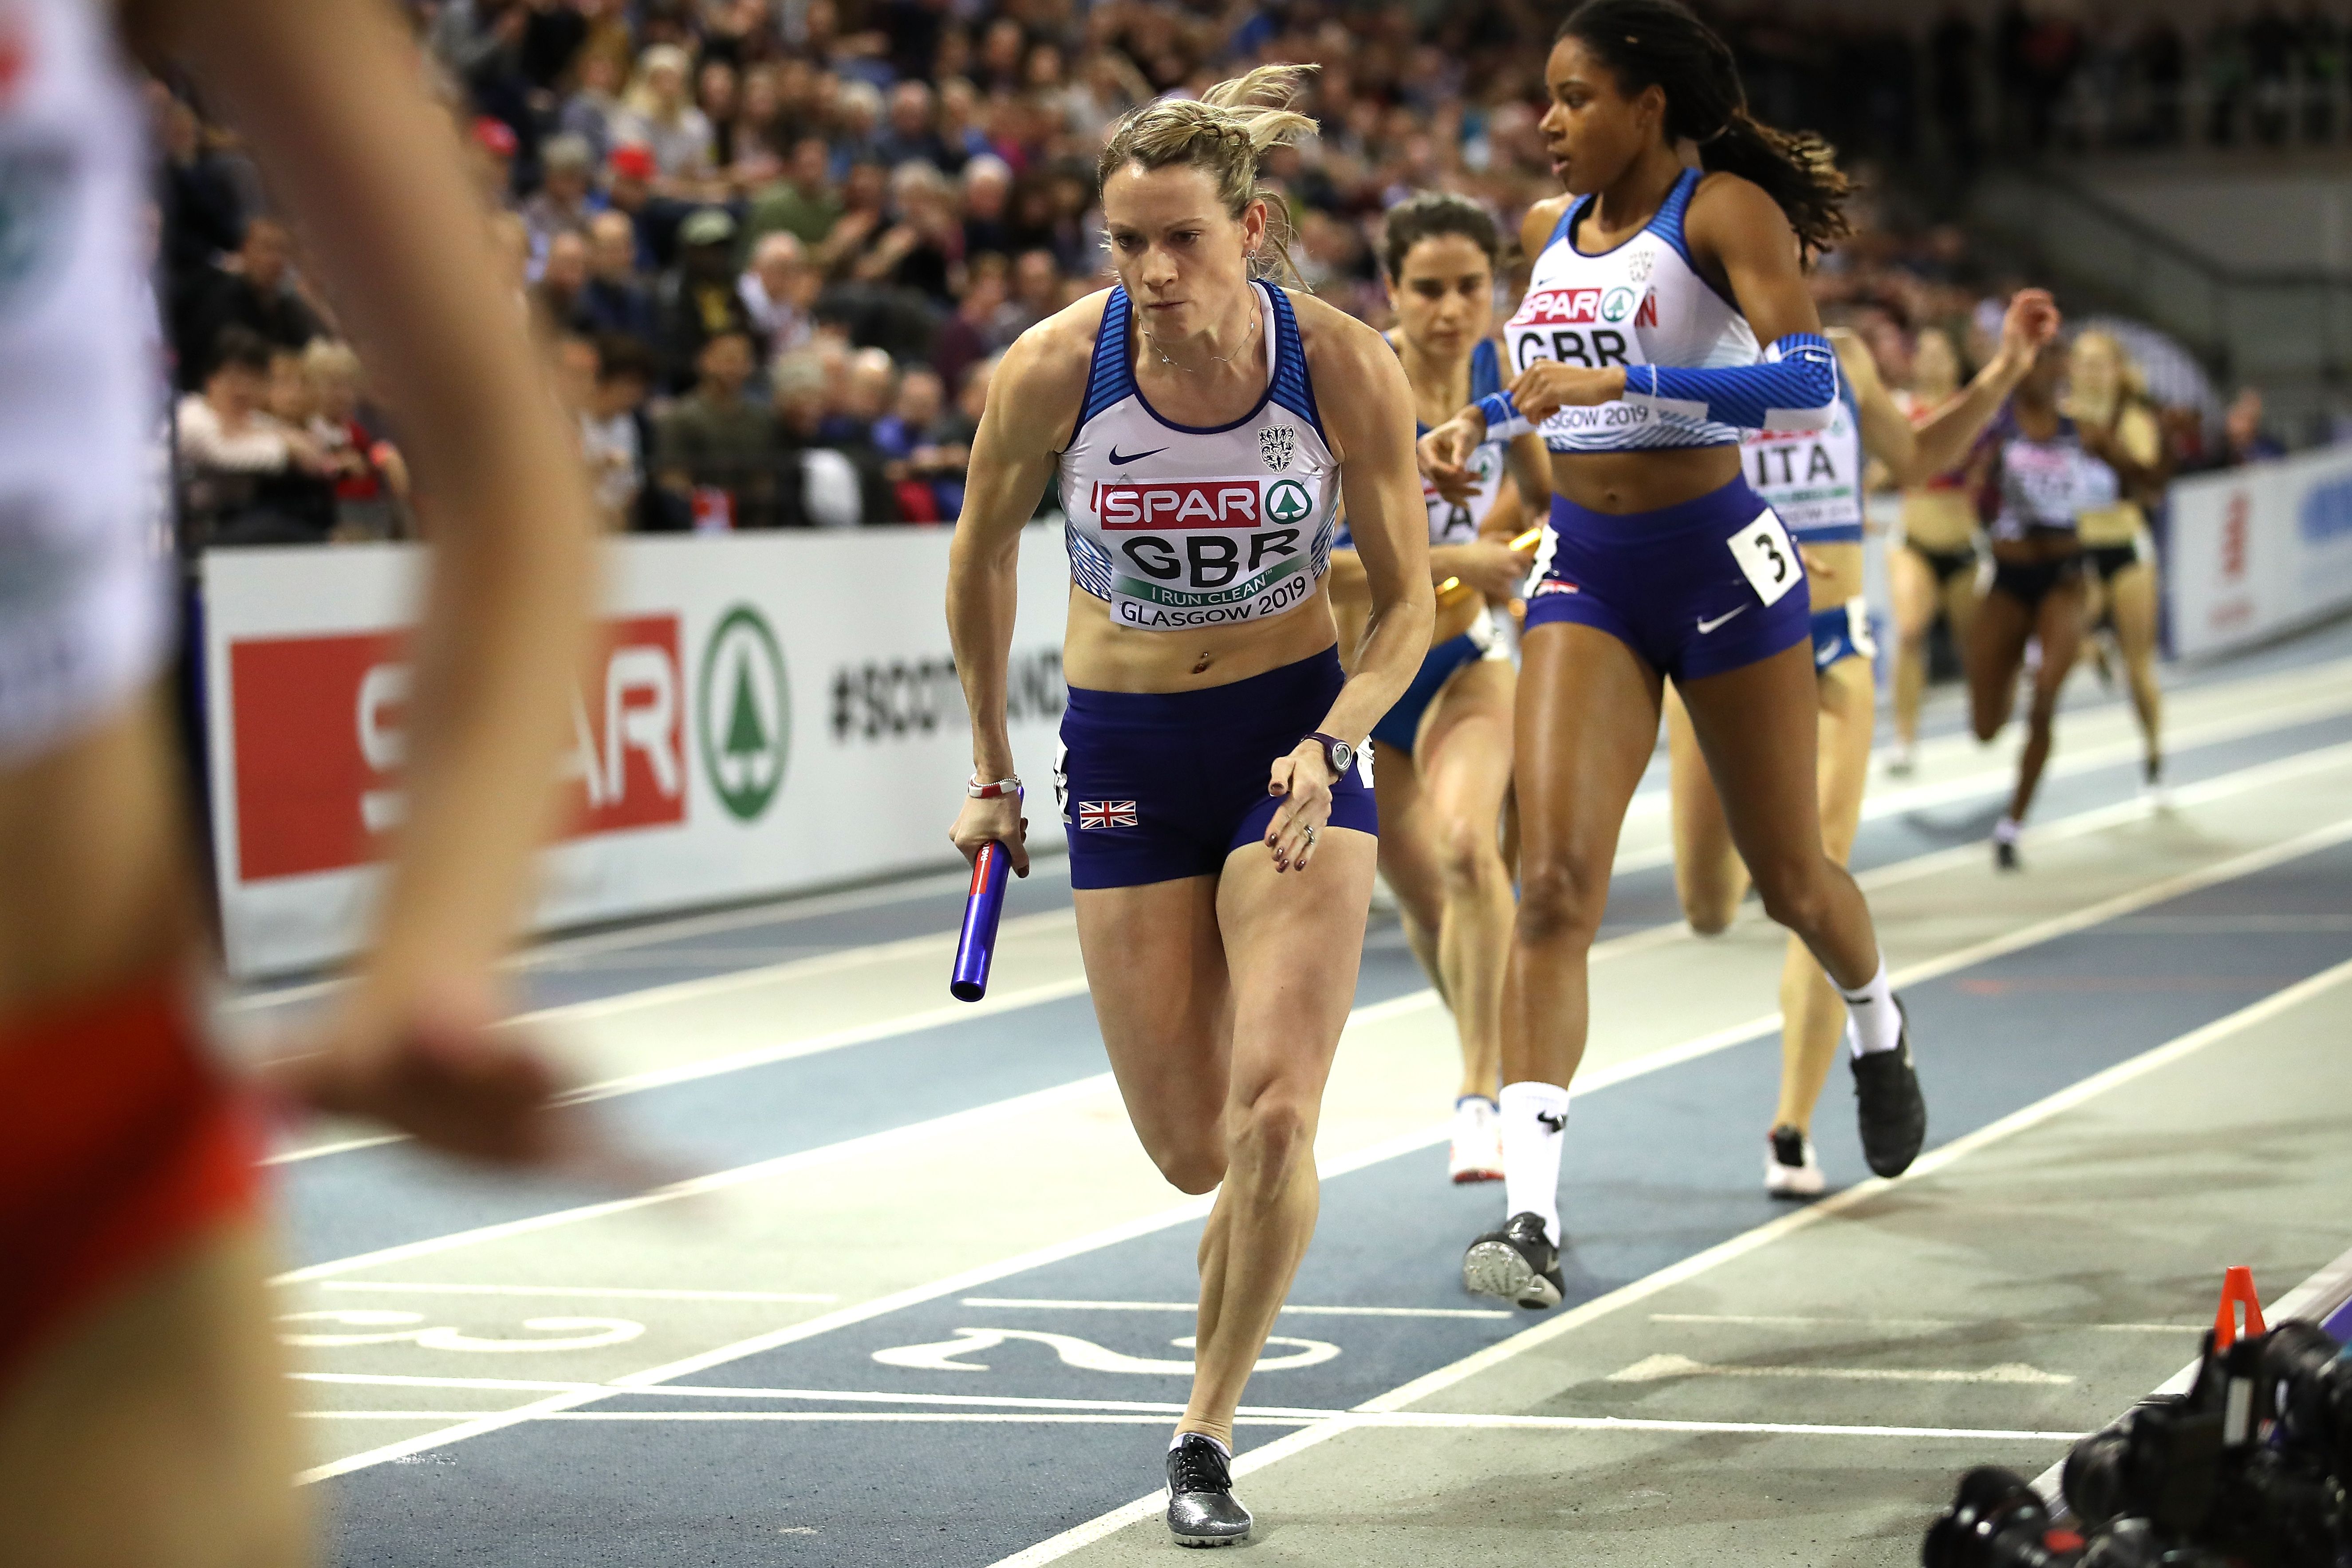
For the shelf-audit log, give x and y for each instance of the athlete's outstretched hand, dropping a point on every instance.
(1303, 781)
(999, 821)
(2031, 320)
(1444, 457)
(1547, 386)
(1496, 570)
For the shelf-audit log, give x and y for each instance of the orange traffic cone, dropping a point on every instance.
(2237, 1290)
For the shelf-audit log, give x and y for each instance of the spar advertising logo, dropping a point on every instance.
(743, 713)
(318, 733)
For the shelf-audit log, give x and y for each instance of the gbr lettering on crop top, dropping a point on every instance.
(1205, 552)
(1588, 327)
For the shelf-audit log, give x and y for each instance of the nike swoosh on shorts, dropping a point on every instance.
(1706, 627)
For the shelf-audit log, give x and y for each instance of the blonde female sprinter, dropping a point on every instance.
(1200, 426)
(1441, 756)
(2117, 424)
(1813, 480)
(1934, 570)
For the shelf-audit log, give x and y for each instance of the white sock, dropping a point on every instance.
(1872, 1024)
(1177, 1441)
(1535, 1129)
(2006, 830)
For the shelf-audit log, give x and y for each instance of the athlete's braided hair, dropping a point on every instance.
(1661, 43)
(1226, 133)
(1426, 216)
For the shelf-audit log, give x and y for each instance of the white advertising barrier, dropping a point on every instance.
(767, 713)
(2260, 550)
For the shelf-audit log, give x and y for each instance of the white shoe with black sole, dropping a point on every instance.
(1790, 1169)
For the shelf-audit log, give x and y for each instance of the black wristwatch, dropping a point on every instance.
(1336, 752)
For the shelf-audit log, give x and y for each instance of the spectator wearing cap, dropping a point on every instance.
(253, 289)
(615, 299)
(565, 199)
(662, 118)
(778, 289)
(652, 217)
(716, 452)
(493, 143)
(803, 202)
(697, 300)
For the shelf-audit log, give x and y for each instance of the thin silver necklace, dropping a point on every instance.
(1165, 358)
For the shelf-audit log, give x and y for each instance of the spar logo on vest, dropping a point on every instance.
(1209, 550)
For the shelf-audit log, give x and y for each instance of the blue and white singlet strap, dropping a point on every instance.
(1794, 388)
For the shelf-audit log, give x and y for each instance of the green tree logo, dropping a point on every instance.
(743, 713)
(1288, 501)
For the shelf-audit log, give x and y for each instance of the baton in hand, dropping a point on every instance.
(983, 907)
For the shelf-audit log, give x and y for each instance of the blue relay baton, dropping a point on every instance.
(982, 908)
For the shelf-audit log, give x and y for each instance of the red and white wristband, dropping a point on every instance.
(997, 791)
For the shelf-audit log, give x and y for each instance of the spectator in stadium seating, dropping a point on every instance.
(201, 213)
(778, 289)
(492, 145)
(719, 94)
(857, 126)
(1037, 294)
(985, 192)
(615, 298)
(2243, 438)
(227, 444)
(923, 250)
(912, 133)
(801, 203)
(593, 113)
(660, 117)
(653, 217)
(860, 386)
(372, 480)
(968, 335)
(958, 119)
(864, 198)
(253, 289)
(559, 299)
(303, 490)
(922, 454)
(697, 300)
(841, 486)
(717, 450)
(613, 428)
(564, 201)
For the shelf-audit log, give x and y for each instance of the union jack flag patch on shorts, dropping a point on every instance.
(1105, 814)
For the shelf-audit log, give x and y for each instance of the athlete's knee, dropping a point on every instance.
(1270, 1135)
(1469, 855)
(1707, 911)
(1191, 1168)
(1560, 899)
(1798, 891)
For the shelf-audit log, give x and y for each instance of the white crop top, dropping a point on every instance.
(1644, 302)
(1180, 526)
(84, 593)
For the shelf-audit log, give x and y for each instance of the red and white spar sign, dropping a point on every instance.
(319, 736)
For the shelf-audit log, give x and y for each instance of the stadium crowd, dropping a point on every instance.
(777, 245)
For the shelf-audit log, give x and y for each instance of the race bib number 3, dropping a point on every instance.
(1766, 557)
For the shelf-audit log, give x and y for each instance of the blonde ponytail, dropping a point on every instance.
(1226, 133)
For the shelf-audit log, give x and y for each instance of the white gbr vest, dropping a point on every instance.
(1180, 526)
(1643, 302)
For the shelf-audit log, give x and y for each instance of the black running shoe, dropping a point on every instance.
(1893, 1114)
(1202, 1509)
(1516, 1264)
(2004, 855)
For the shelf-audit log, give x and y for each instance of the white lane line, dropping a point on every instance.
(1406, 1143)
(1194, 1306)
(1658, 1368)
(625, 1292)
(1432, 1384)
(919, 1418)
(1930, 1323)
(2256, 776)
(1414, 1420)
(397, 1380)
(807, 1395)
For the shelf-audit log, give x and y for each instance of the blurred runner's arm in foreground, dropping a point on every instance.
(332, 94)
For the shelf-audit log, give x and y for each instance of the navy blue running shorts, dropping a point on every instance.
(1685, 586)
(1401, 725)
(1155, 786)
(1842, 632)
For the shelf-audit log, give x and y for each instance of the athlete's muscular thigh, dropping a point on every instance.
(153, 1429)
(1294, 941)
(1156, 966)
(1758, 727)
(1587, 722)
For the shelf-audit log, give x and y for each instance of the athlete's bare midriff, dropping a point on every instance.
(1622, 482)
(93, 857)
(1100, 656)
(1939, 519)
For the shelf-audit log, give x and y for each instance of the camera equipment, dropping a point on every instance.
(1997, 1521)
